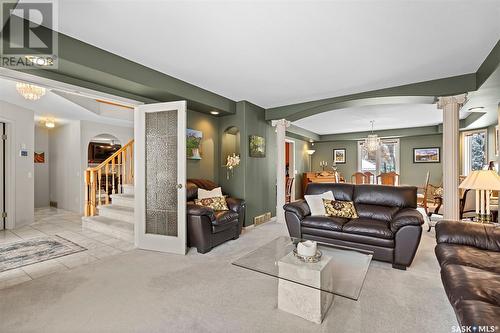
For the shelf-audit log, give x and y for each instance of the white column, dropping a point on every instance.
(451, 106)
(281, 126)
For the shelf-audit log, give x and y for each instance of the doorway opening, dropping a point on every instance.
(290, 171)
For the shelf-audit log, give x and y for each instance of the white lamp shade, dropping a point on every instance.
(482, 180)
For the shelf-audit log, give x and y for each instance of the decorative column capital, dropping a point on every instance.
(281, 123)
(447, 100)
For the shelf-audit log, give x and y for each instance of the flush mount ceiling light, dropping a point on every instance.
(476, 108)
(372, 141)
(29, 91)
(214, 112)
(50, 123)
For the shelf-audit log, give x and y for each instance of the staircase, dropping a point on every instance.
(109, 196)
(115, 219)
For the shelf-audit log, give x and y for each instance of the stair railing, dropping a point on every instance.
(114, 172)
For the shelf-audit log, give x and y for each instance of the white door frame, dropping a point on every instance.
(292, 171)
(152, 241)
(10, 174)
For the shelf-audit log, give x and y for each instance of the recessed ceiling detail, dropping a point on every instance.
(386, 117)
(279, 53)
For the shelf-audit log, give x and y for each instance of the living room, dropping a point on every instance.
(279, 172)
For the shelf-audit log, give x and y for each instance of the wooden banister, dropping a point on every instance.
(117, 169)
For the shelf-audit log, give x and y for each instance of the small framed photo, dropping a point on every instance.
(339, 156)
(426, 155)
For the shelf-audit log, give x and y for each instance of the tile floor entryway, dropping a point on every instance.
(53, 221)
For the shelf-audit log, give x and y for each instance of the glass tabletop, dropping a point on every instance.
(340, 271)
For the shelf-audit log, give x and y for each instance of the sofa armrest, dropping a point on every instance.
(482, 236)
(198, 210)
(299, 208)
(406, 216)
(235, 204)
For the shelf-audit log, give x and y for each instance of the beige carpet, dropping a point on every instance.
(142, 291)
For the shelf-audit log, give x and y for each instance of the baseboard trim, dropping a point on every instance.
(253, 226)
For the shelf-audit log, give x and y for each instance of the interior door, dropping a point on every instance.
(160, 177)
(2, 176)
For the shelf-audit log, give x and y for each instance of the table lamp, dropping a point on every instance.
(483, 182)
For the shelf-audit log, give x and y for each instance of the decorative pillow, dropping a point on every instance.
(205, 194)
(315, 202)
(340, 209)
(216, 203)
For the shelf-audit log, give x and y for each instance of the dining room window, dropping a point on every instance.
(473, 150)
(383, 159)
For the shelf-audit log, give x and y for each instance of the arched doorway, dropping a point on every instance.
(101, 147)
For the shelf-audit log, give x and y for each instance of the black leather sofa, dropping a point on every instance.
(388, 223)
(469, 256)
(207, 228)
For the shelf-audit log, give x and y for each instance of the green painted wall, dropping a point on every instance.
(410, 173)
(324, 152)
(414, 173)
(207, 167)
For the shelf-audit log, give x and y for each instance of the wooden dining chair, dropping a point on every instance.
(359, 178)
(288, 189)
(388, 178)
(370, 176)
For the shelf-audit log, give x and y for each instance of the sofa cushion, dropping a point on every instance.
(382, 195)
(340, 191)
(368, 227)
(324, 222)
(216, 203)
(470, 283)
(347, 237)
(475, 313)
(452, 254)
(336, 208)
(224, 219)
(376, 212)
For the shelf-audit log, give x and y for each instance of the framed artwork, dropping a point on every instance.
(339, 156)
(257, 146)
(426, 155)
(193, 144)
(39, 157)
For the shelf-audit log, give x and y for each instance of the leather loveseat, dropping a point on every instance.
(207, 228)
(469, 255)
(388, 223)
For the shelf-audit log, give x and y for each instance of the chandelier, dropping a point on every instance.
(29, 91)
(372, 141)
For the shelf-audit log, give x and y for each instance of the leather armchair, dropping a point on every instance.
(388, 223)
(469, 256)
(208, 228)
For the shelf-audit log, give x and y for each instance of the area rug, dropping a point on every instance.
(31, 251)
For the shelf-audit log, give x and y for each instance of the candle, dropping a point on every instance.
(477, 203)
(482, 203)
(488, 203)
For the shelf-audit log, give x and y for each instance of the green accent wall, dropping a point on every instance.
(207, 167)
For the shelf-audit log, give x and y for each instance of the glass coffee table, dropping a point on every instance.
(308, 289)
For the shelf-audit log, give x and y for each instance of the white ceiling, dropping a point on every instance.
(385, 116)
(51, 105)
(282, 52)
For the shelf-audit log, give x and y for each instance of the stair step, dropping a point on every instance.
(111, 227)
(127, 200)
(128, 189)
(121, 213)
